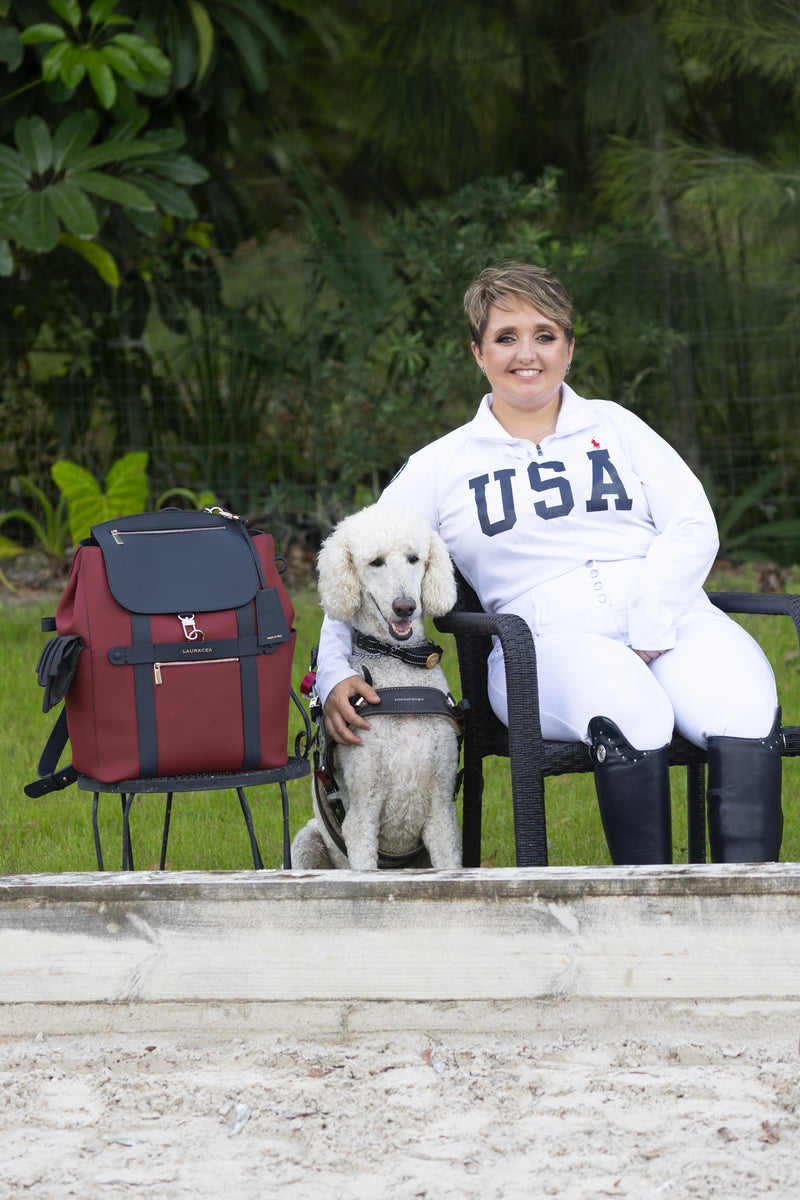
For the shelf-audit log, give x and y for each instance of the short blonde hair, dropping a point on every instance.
(522, 281)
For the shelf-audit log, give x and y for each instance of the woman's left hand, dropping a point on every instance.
(648, 655)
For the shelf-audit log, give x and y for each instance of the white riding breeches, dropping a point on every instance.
(716, 681)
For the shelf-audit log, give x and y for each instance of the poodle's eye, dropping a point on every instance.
(378, 562)
(413, 558)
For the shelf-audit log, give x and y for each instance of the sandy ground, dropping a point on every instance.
(405, 1117)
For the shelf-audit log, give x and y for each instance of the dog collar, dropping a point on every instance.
(427, 654)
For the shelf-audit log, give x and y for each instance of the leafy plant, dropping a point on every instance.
(50, 532)
(192, 66)
(53, 191)
(199, 500)
(88, 45)
(56, 187)
(8, 549)
(125, 492)
(746, 540)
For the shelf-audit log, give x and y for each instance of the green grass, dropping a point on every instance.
(207, 831)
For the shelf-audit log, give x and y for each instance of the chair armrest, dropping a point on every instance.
(514, 634)
(770, 604)
(519, 656)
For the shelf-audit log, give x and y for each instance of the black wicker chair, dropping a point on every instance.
(532, 758)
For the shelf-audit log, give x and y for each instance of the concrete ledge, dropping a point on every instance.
(346, 951)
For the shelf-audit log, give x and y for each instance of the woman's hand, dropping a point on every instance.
(341, 716)
(648, 655)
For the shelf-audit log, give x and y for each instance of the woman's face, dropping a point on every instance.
(525, 356)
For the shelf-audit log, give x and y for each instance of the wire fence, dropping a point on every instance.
(297, 403)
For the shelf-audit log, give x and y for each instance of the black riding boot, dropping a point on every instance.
(745, 819)
(633, 795)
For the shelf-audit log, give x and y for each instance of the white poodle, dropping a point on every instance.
(382, 570)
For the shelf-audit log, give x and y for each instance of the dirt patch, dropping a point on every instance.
(410, 1117)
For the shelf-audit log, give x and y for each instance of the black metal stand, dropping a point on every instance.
(128, 789)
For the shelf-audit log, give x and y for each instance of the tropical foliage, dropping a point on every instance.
(88, 503)
(102, 53)
(362, 161)
(50, 526)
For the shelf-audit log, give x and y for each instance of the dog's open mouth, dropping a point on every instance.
(400, 630)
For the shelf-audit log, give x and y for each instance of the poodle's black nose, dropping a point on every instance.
(404, 607)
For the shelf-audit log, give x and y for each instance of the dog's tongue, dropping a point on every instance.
(400, 629)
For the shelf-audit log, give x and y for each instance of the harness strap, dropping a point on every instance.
(332, 812)
(416, 702)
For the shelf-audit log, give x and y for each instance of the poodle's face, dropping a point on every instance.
(384, 570)
(391, 593)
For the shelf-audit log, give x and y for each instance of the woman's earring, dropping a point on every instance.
(568, 367)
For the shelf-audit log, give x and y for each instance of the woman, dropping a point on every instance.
(575, 515)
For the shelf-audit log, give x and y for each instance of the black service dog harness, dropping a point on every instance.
(394, 701)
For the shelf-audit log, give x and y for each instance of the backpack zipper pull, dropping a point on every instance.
(157, 672)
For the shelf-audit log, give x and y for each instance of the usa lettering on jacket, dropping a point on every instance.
(543, 478)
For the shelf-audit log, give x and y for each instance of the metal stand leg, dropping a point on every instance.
(96, 830)
(257, 860)
(165, 835)
(287, 843)
(129, 790)
(127, 848)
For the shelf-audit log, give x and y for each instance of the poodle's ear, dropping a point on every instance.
(438, 582)
(338, 583)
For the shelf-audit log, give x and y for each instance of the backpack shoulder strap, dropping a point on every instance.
(51, 780)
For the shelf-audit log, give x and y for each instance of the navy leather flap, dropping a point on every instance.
(178, 562)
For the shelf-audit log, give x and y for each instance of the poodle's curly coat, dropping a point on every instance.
(383, 570)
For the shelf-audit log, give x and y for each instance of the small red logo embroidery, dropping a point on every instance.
(595, 444)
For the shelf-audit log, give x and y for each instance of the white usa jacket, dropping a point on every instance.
(603, 486)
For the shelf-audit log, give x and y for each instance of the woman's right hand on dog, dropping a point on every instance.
(342, 720)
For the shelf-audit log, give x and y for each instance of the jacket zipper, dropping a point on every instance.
(200, 662)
